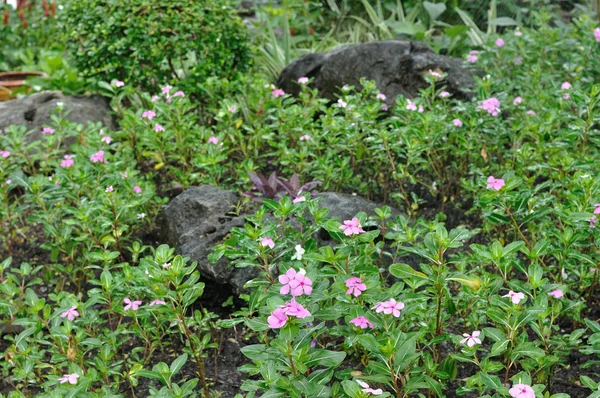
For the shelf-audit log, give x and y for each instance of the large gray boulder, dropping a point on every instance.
(396, 66)
(35, 111)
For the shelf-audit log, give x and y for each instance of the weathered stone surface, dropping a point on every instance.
(35, 111)
(197, 220)
(397, 67)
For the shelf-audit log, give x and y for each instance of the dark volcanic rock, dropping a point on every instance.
(34, 111)
(396, 66)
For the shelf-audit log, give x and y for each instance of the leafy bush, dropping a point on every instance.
(149, 42)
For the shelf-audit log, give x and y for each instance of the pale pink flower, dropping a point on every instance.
(68, 161)
(137, 189)
(158, 128)
(362, 322)
(264, 242)
(303, 80)
(471, 339)
(7, 182)
(213, 140)
(98, 157)
(278, 92)
(131, 305)
(556, 293)
(381, 96)
(299, 199)
(285, 279)
(435, 74)
(119, 83)
(148, 115)
(421, 109)
(384, 107)
(490, 105)
(232, 108)
(107, 139)
(389, 307)
(48, 130)
(444, 94)
(293, 308)
(352, 227)
(70, 378)
(355, 286)
(155, 98)
(500, 42)
(70, 314)
(166, 265)
(518, 60)
(593, 222)
(566, 86)
(109, 189)
(457, 122)
(368, 389)
(301, 284)
(4, 154)
(179, 94)
(341, 103)
(472, 58)
(566, 96)
(410, 106)
(305, 137)
(515, 297)
(521, 391)
(597, 208)
(167, 89)
(531, 113)
(495, 183)
(517, 100)
(518, 32)
(157, 302)
(277, 319)
(597, 34)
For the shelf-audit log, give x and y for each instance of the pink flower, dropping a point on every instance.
(213, 140)
(491, 106)
(566, 86)
(531, 113)
(515, 297)
(472, 58)
(518, 32)
(389, 307)
(295, 282)
(4, 154)
(71, 378)
(410, 106)
(500, 42)
(420, 108)
(179, 94)
(68, 161)
(98, 157)
(303, 80)
(341, 103)
(556, 293)
(232, 108)
(495, 183)
(597, 34)
(277, 319)
(157, 302)
(7, 182)
(119, 83)
(597, 208)
(137, 189)
(457, 122)
(368, 389)
(107, 139)
(264, 242)
(299, 199)
(356, 286)
(155, 98)
(278, 92)
(521, 391)
(517, 100)
(305, 137)
(384, 107)
(444, 94)
(131, 305)
(471, 339)
(109, 189)
(70, 314)
(149, 115)
(362, 322)
(518, 60)
(381, 96)
(48, 130)
(285, 279)
(351, 227)
(593, 222)
(293, 308)
(566, 96)
(158, 128)
(167, 89)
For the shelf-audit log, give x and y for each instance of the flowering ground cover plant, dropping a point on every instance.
(482, 281)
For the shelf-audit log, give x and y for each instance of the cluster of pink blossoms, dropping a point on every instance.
(4, 154)
(70, 378)
(491, 106)
(594, 220)
(351, 227)
(472, 57)
(278, 93)
(98, 157)
(48, 130)
(68, 161)
(391, 306)
(355, 286)
(279, 317)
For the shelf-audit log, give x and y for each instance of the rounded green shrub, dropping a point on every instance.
(150, 43)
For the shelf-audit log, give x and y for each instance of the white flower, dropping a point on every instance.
(299, 253)
(141, 216)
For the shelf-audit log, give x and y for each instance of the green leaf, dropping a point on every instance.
(403, 271)
(434, 9)
(503, 21)
(178, 363)
(325, 358)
